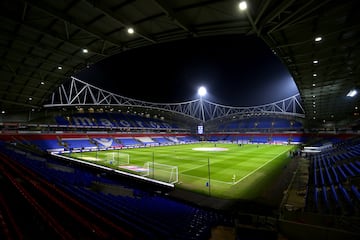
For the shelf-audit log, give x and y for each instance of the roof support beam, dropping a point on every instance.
(109, 13)
(164, 5)
(264, 5)
(35, 57)
(31, 43)
(19, 104)
(66, 30)
(253, 25)
(291, 16)
(51, 35)
(24, 11)
(305, 13)
(275, 13)
(63, 17)
(22, 76)
(4, 85)
(30, 68)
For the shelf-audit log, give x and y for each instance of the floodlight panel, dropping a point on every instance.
(352, 93)
(243, 5)
(202, 91)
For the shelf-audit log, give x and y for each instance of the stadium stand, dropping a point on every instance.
(143, 214)
(48, 118)
(112, 120)
(331, 188)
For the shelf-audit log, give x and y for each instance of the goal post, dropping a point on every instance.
(118, 158)
(162, 172)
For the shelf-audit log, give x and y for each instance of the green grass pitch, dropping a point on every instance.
(236, 172)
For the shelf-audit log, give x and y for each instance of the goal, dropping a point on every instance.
(162, 172)
(118, 158)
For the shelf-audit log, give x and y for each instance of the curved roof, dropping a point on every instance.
(42, 42)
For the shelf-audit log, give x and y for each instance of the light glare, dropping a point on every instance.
(351, 93)
(202, 91)
(243, 5)
(130, 30)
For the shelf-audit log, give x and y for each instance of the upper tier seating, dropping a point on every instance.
(112, 120)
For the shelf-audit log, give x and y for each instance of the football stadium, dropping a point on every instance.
(78, 161)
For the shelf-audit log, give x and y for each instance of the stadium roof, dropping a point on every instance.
(42, 43)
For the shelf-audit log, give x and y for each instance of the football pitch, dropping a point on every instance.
(229, 171)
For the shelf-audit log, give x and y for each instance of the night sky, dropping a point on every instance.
(236, 71)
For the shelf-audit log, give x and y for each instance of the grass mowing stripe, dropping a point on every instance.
(250, 173)
(244, 162)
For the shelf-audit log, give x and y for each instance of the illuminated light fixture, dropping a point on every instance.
(351, 93)
(85, 50)
(318, 39)
(59, 67)
(202, 91)
(3, 111)
(314, 75)
(243, 5)
(314, 96)
(42, 83)
(314, 84)
(315, 61)
(314, 117)
(30, 98)
(130, 30)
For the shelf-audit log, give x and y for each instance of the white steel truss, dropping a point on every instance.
(80, 93)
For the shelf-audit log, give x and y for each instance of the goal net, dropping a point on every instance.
(162, 172)
(118, 158)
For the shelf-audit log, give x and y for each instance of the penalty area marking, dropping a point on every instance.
(232, 183)
(210, 149)
(255, 170)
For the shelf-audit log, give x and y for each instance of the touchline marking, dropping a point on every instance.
(259, 167)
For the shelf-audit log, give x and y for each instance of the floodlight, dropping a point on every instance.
(243, 5)
(318, 39)
(202, 91)
(351, 93)
(130, 30)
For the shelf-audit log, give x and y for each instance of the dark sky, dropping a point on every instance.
(236, 71)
